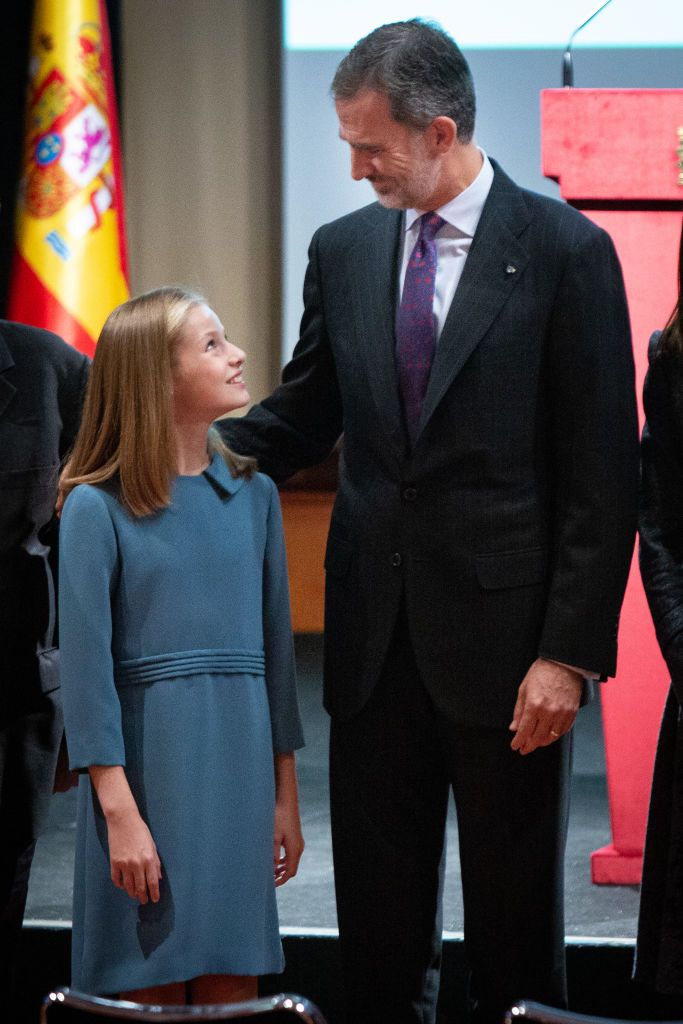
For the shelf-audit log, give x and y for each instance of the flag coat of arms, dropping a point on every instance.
(69, 267)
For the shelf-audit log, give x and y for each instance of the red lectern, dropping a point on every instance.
(618, 156)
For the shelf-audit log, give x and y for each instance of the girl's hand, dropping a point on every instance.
(289, 841)
(135, 864)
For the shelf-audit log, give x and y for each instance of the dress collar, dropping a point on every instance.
(218, 474)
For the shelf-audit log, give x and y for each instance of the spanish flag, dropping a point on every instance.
(69, 266)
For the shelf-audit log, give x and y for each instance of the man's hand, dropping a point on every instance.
(546, 707)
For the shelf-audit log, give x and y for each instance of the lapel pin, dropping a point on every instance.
(510, 269)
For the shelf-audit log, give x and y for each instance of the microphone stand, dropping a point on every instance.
(567, 62)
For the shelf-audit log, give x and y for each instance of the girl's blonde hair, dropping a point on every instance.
(126, 433)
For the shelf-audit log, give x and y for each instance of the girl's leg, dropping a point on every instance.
(173, 994)
(223, 988)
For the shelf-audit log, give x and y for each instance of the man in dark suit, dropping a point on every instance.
(42, 382)
(470, 340)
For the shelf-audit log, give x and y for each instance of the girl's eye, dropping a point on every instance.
(210, 344)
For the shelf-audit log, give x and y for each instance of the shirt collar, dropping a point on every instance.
(218, 474)
(464, 210)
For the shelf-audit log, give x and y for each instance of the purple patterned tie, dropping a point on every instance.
(415, 323)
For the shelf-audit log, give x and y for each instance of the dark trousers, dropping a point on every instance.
(29, 743)
(392, 768)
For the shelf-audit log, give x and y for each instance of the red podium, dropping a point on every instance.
(618, 156)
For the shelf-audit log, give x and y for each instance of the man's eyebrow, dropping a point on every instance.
(359, 145)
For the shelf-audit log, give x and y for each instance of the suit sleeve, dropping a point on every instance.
(300, 423)
(88, 561)
(278, 639)
(593, 439)
(72, 395)
(661, 504)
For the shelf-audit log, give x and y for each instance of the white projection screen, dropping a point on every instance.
(514, 50)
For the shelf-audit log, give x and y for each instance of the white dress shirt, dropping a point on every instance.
(453, 240)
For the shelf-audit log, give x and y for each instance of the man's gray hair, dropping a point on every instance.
(420, 70)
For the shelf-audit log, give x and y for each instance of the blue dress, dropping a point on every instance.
(177, 662)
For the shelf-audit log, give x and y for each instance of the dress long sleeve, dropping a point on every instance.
(88, 558)
(278, 642)
(661, 507)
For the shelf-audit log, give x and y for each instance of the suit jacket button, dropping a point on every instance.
(396, 559)
(410, 493)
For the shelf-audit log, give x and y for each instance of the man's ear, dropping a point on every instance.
(442, 133)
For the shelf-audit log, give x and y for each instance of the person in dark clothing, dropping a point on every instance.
(659, 950)
(471, 342)
(42, 384)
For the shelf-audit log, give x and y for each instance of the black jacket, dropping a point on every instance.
(509, 527)
(659, 960)
(42, 383)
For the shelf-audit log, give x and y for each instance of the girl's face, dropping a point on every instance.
(207, 370)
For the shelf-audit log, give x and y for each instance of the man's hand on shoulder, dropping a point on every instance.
(546, 707)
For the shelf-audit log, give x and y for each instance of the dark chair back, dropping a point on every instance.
(537, 1013)
(67, 1006)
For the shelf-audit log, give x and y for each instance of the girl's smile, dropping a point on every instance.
(208, 379)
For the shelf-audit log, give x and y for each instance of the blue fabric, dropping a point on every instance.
(187, 663)
(177, 662)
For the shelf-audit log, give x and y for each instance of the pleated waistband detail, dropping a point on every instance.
(188, 663)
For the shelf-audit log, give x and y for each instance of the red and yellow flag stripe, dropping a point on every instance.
(70, 266)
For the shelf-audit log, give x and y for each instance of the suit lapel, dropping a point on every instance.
(493, 268)
(374, 306)
(7, 390)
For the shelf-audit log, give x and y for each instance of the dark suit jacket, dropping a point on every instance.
(659, 960)
(42, 381)
(509, 527)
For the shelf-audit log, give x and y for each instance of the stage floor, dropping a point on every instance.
(307, 901)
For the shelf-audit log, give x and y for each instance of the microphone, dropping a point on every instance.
(567, 61)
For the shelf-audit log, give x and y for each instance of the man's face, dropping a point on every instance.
(394, 158)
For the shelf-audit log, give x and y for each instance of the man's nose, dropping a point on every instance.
(360, 165)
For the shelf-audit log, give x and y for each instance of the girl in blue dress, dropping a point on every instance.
(177, 670)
